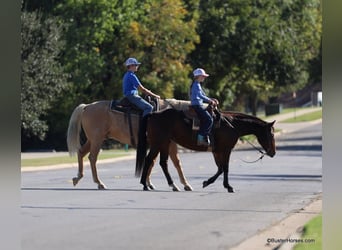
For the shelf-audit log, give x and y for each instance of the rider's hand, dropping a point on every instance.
(214, 102)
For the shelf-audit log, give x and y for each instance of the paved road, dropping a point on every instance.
(55, 215)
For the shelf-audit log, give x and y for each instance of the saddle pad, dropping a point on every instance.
(125, 106)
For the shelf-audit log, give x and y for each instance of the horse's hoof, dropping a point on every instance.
(174, 188)
(187, 188)
(151, 187)
(230, 190)
(75, 181)
(205, 183)
(145, 188)
(101, 187)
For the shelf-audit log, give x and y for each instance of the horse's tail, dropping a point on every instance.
(74, 129)
(141, 147)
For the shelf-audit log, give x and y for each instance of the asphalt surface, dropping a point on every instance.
(56, 215)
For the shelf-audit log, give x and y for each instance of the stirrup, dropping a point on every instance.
(203, 140)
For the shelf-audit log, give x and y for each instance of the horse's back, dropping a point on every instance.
(95, 116)
(99, 105)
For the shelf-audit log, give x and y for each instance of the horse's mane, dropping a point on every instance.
(238, 116)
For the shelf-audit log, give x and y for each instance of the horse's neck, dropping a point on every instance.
(247, 125)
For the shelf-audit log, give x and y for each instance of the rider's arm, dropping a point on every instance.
(147, 92)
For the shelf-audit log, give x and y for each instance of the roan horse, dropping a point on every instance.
(99, 123)
(172, 125)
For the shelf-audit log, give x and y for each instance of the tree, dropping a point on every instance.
(42, 76)
(102, 34)
(257, 48)
(165, 34)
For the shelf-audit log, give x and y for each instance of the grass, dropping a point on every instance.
(306, 117)
(312, 235)
(302, 118)
(105, 154)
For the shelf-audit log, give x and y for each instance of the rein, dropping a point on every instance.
(229, 122)
(261, 152)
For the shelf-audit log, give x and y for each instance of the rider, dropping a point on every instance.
(197, 97)
(131, 85)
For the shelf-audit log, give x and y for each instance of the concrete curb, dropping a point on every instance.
(284, 234)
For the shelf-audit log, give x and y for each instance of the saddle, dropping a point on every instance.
(125, 106)
(191, 116)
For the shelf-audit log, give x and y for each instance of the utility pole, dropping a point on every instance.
(294, 96)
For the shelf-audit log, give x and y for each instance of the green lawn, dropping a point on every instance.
(302, 118)
(105, 154)
(312, 235)
(306, 117)
(309, 117)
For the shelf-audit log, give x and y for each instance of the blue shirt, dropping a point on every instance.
(130, 84)
(197, 95)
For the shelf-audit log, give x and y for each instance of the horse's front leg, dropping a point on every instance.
(213, 178)
(225, 180)
(219, 159)
(225, 177)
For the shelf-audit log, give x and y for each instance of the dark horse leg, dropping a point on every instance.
(222, 161)
(213, 178)
(225, 178)
(149, 160)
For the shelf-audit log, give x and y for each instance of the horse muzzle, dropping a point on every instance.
(271, 153)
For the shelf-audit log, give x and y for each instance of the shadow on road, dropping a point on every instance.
(271, 177)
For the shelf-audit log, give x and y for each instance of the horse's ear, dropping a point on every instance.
(272, 123)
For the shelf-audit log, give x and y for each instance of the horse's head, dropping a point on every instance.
(266, 139)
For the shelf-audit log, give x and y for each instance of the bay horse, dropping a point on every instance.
(99, 122)
(172, 126)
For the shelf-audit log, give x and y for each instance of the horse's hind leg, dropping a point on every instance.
(80, 154)
(177, 163)
(148, 178)
(149, 162)
(94, 152)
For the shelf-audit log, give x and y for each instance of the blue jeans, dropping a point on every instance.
(206, 120)
(141, 104)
